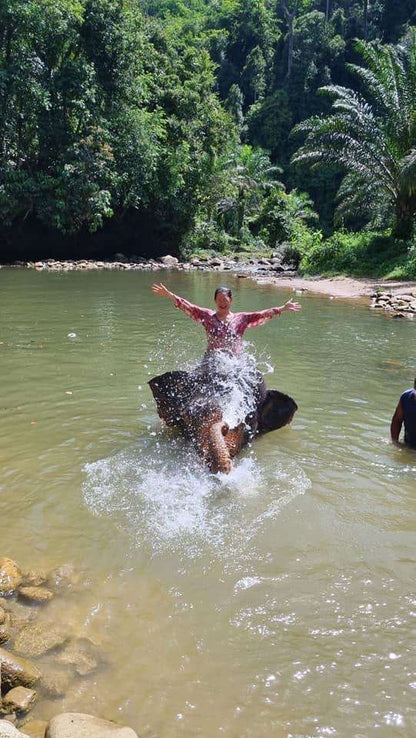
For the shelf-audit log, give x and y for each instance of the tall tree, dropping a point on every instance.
(372, 137)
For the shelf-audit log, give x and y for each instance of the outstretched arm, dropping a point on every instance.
(396, 423)
(262, 316)
(194, 312)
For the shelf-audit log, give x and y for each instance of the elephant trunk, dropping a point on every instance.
(220, 460)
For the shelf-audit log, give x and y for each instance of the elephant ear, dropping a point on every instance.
(173, 392)
(276, 411)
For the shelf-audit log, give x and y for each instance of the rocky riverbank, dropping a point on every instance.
(42, 659)
(260, 265)
(396, 299)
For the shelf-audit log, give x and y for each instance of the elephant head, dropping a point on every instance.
(186, 404)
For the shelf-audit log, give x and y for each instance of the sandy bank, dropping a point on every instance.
(339, 287)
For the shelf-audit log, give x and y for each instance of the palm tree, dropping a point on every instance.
(372, 136)
(252, 175)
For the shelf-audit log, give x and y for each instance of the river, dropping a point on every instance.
(278, 601)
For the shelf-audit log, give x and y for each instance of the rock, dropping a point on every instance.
(81, 655)
(10, 577)
(19, 699)
(17, 671)
(11, 717)
(33, 578)
(39, 638)
(7, 730)
(78, 725)
(56, 681)
(38, 595)
(35, 728)
(5, 629)
(63, 576)
(169, 260)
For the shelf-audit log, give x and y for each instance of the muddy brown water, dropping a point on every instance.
(276, 602)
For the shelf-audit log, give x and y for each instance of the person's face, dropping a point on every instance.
(223, 301)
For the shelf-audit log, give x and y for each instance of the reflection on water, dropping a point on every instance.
(276, 601)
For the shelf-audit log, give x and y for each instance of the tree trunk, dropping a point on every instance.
(327, 10)
(365, 19)
(405, 219)
(290, 17)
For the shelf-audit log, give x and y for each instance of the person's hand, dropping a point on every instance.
(292, 307)
(161, 290)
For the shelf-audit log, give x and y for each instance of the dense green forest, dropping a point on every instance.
(148, 126)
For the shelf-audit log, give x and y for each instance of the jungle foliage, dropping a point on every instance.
(173, 119)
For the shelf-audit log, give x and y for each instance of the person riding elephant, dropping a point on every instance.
(197, 402)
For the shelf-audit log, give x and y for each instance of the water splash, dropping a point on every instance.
(160, 492)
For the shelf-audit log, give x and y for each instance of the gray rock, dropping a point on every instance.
(169, 260)
(10, 577)
(39, 638)
(7, 730)
(19, 699)
(78, 725)
(17, 671)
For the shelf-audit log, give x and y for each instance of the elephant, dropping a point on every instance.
(190, 401)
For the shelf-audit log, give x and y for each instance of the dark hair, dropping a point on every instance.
(223, 289)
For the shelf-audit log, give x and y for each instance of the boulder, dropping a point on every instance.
(169, 260)
(10, 577)
(19, 699)
(37, 595)
(78, 725)
(17, 671)
(38, 638)
(7, 730)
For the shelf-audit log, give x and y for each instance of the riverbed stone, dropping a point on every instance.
(37, 595)
(35, 728)
(63, 576)
(10, 577)
(38, 638)
(79, 725)
(81, 655)
(19, 699)
(56, 681)
(17, 671)
(34, 578)
(7, 730)
(5, 628)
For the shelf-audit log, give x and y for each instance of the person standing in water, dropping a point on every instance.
(405, 413)
(224, 329)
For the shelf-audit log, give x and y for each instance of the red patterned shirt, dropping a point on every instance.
(225, 334)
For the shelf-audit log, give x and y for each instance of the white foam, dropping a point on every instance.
(160, 492)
